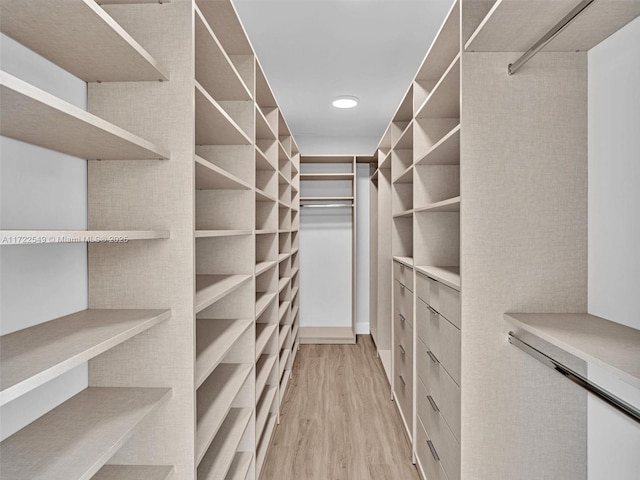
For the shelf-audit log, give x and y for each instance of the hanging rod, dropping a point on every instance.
(326, 205)
(617, 403)
(550, 35)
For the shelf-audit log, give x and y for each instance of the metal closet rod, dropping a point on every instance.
(609, 398)
(550, 35)
(326, 205)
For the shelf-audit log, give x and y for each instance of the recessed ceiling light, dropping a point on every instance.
(345, 101)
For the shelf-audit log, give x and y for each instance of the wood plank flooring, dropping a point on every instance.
(338, 421)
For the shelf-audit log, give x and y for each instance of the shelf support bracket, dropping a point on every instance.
(627, 409)
(550, 35)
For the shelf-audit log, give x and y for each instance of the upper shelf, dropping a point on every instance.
(448, 205)
(211, 288)
(80, 37)
(34, 116)
(444, 100)
(214, 126)
(610, 345)
(444, 48)
(139, 472)
(450, 276)
(38, 237)
(445, 152)
(212, 177)
(214, 69)
(408, 261)
(78, 437)
(35, 355)
(514, 25)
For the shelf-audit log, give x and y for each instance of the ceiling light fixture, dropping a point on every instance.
(345, 101)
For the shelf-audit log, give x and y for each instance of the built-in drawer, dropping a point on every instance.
(423, 288)
(428, 455)
(447, 446)
(403, 301)
(441, 386)
(441, 336)
(403, 367)
(403, 274)
(439, 296)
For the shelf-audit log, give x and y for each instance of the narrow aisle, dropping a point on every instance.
(338, 422)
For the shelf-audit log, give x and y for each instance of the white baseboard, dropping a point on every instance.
(362, 328)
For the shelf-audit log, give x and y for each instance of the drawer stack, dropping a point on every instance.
(438, 383)
(403, 341)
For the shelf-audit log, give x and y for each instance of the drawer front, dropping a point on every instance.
(403, 337)
(445, 443)
(441, 386)
(403, 368)
(432, 467)
(449, 304)
(423, 288)
(403, 274)
(441, 336)
(403, 301)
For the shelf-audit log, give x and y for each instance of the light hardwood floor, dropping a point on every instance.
(338, 422)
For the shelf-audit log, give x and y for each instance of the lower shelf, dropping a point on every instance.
(139, 472)
(240, 466)
(263, 445)
(77, 438)
(217, 462)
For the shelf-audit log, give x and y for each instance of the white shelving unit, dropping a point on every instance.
(207, 184)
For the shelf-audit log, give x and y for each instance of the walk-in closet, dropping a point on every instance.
(347, 240)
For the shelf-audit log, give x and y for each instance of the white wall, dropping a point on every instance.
(614, 235)
(41, 189)
(362, 248)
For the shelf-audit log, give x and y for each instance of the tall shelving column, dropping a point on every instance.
(328, 184)
(130, 241)
(268, 266)
(381, 264)
(294, 340)
(225, 246)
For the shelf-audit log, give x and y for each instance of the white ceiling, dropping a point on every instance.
(314, 50)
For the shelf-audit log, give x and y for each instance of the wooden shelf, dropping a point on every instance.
(282, 283)
(264, 366)
(212, 177)
(406, 176)
(282, 180)
(408, 261)
(405, 214)
(213, 125)
(444, 48)
(325, 199)
(75, 439)
(263, 129)
(211, 288)
(283, 256)
(81, 38)
(294, 312)
(218, 459)
(266, 231)
(284, 357)
(405, 140)
(264, 331)
(609, 345)
(284, 382)
(262, 162)
(214, 69)
(261, 196)
(262, 267)
(39, 237)
(514, 26)
(449, 205)
(221, 233)
(282, 311)
(263, 300)
(326, 159)
(284, 332)
(326, 176)
(445, 152)
(294, 292)
(240, 466)
(263, 408)
(214, 339)
(33, 356)
(450, 276)
(138, 472)
(264, 442)
(386, 162)
(34, 116)
(214, 400)
(444, 100)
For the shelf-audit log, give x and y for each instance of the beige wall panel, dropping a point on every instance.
(523, 248)
(151, 273)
